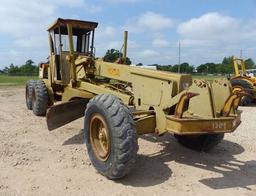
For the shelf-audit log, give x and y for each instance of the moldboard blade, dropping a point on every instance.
(64, 113)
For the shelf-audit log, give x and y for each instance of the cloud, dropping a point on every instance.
(34, 16)
(149, 53)
(103, 46)
(106, 32)
(160, 43)
(196, 43)
(24, 25)
(133, 44)
(24, 18)
(108, 37)
(209, 26)
(70, 3)
(214, 28)
(213, 35)
(207, 37)
(150, 56)
(124, 1)
(149, 21)
(93, 8)
(32, 42)
(90, 7)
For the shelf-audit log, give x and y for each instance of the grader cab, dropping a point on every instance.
(62, 49)
(120, 102)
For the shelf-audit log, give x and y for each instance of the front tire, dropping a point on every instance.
(110, 136)
(40, 98)
(204, 142)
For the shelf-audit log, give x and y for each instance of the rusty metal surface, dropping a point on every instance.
(64, 113)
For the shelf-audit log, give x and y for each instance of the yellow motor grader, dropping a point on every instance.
(120, 102)
(242, 81)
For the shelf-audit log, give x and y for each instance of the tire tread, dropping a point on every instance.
(42, 98)
(126, 145)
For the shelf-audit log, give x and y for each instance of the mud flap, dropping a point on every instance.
(64, 113)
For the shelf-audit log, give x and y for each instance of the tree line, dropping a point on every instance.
(112, 55)
(28, 68)
(225, 67)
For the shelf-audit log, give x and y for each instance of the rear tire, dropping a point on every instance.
(118, 158)
(40, 98)
(246, 100)
(30, 85)
(204, 142)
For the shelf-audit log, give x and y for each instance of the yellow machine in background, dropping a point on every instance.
(120, 102)
(242, 81)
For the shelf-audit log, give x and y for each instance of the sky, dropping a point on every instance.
(208, 30)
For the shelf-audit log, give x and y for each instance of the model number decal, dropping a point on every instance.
(219, 126)
(113, 72)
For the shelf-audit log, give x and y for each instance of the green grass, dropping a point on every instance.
(208, 77)
(15, 80)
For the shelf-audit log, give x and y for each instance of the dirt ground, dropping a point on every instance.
(34, 161)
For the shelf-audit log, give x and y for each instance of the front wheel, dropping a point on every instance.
(110, 136)
(203, 142)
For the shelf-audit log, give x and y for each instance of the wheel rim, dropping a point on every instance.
(99, 137)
